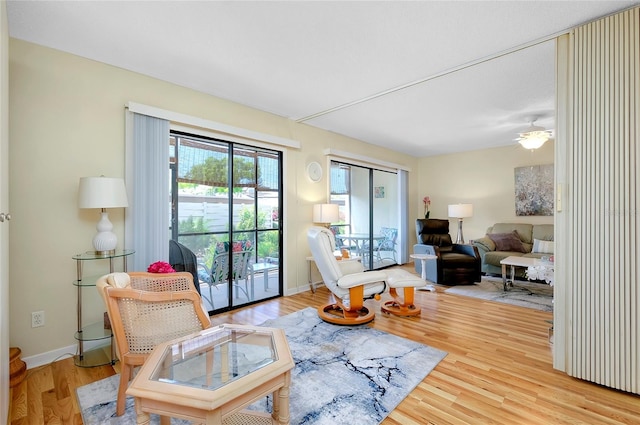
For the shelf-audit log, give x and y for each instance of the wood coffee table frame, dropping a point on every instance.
(221, 405)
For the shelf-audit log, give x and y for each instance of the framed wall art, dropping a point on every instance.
(534, 190)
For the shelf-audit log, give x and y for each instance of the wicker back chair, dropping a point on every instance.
(146, 309)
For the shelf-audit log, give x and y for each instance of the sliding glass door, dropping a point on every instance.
(368, 200)
(226, 200)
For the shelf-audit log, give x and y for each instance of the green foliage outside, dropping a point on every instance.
(213, 174)
(267, 243)
(214, 171)
(196, 243)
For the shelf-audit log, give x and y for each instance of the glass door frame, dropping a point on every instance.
(364, 247)
(255, 234)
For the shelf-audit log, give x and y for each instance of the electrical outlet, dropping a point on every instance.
(37, 319)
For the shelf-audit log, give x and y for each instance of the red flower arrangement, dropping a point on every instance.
(160, 267)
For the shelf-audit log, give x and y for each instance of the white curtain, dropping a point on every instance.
(147, 180)
(403, 215)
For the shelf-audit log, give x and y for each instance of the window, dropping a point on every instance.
(226, 199)
(369, 220)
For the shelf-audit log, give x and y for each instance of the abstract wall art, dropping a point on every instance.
(534, 190)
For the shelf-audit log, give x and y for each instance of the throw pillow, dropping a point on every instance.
(119, 280)
(542, 247)
(507, 241)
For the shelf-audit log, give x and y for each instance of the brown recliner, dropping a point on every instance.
(456, 264)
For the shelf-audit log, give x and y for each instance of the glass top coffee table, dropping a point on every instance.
(210, 376)
(516, 261)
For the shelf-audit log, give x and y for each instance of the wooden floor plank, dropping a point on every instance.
(498, 369)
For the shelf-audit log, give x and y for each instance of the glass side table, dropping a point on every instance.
(95, 332)
(212, 375)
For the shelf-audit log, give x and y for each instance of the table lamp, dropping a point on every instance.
(325, 214)
(103, 192)
(460, 211)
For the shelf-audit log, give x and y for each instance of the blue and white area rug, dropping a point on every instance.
(538, 296)
(343, 375)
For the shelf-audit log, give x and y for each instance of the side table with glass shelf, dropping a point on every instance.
(101, 354)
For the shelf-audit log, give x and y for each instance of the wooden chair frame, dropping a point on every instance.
(141, 319)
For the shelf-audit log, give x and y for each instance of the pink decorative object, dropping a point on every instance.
(160, 267)
(427, 202)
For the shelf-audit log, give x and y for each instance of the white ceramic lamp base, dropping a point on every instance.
(105, 241)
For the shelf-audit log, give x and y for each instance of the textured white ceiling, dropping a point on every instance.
(420, 77)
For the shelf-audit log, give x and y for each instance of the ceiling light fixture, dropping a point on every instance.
(534, 137)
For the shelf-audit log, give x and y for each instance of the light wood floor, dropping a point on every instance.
(498, 369)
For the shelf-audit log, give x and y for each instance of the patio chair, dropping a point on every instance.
(386, 248)
(146, 309)
(340, 242)
(182, 259)
(241, 268)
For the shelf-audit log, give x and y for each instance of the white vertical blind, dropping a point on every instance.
(599, 263)
(403, 217)
(147, 180)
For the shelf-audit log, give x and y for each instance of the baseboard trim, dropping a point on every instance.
(58, 354)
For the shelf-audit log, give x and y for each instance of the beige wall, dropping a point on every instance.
(67, 121)
(483, 178)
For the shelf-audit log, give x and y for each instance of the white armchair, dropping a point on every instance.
(347, 281)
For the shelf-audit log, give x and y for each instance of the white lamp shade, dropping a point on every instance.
(533, 140)
(534, 137)
(102, 192)
(326, 213)
(461, 210)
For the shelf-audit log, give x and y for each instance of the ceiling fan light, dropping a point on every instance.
(534, 137)
(533, 142)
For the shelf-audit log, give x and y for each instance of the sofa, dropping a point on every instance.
(454, 264)
(513, 239)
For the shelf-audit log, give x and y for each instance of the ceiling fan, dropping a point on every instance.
(534, 136)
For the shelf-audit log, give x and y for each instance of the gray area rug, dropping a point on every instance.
(343, 375)
(524, 293)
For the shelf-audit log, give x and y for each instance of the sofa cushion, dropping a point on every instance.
(524, 230)
(507, 241)
(542, 247)
(539, 256)
(485, 243)
(494, 257)
(544, 232)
